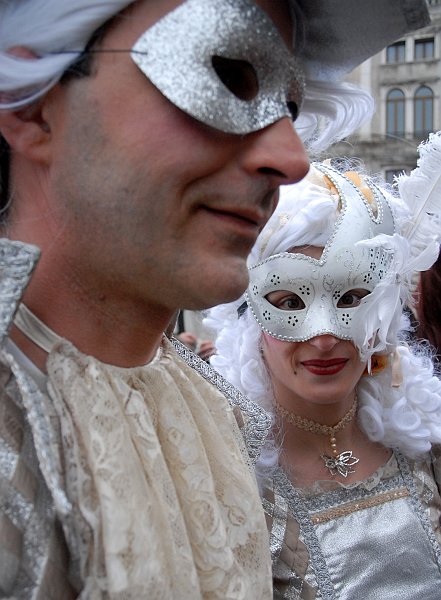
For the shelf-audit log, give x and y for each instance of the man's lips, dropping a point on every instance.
(325, 367)
(254, 208)
(244, 217)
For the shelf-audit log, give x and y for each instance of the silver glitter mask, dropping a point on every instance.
(224, 63)
(320, 284)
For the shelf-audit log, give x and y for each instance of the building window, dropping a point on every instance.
(395, 113)
(424, 48)
(396, 53)
(423, 112)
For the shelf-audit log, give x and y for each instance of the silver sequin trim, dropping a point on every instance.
(300, 513)
(418, 507)
(258, 423)
(17, 261)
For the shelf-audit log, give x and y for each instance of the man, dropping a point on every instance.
(143, 147)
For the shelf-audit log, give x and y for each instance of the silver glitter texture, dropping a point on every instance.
(176, 55)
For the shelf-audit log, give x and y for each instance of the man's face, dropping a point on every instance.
(151, 203)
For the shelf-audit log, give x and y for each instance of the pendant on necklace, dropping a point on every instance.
(341, 463)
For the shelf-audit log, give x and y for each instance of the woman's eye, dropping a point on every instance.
(284, 302)
(352, 298)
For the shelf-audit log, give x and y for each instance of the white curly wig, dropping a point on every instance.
(407, 416)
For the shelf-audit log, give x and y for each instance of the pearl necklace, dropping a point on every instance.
(339, 463)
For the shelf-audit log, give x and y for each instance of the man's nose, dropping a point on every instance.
(277, 152)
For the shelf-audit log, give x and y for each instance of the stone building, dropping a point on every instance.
(405, 80)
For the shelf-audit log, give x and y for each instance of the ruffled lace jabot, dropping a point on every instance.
(164, 503)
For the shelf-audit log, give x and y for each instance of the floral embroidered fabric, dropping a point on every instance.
(165, 505)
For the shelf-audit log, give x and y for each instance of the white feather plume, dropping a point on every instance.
(413, 248)
(421, 191)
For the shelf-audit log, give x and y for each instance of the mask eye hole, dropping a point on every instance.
(238, 76)
(285, 300)
(293, 109)
(352, 298)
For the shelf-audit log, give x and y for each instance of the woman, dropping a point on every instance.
(350, 478)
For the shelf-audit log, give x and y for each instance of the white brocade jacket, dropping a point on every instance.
(125, 483)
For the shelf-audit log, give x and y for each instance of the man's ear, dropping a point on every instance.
(26, 132)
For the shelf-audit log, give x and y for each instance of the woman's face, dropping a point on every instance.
(323, 370)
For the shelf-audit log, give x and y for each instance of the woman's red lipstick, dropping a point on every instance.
(325, 367)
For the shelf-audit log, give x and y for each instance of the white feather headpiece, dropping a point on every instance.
(414, 248)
